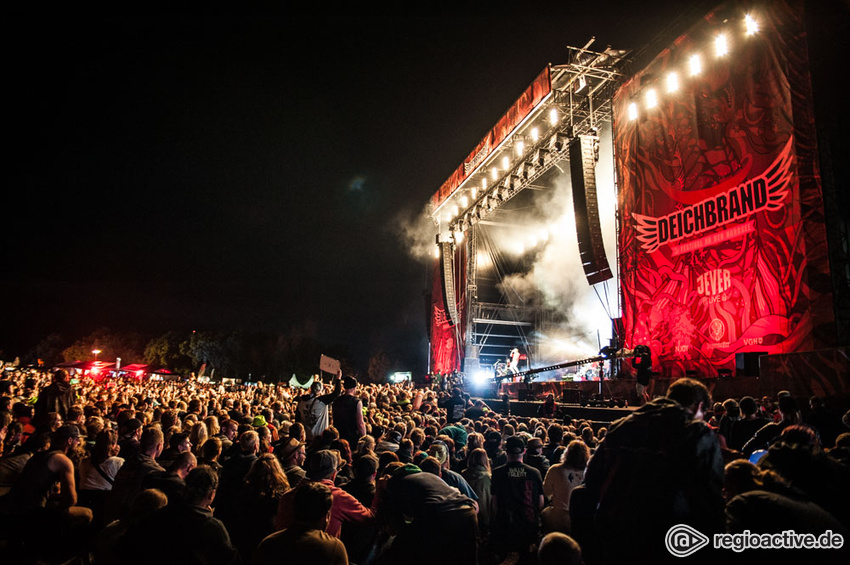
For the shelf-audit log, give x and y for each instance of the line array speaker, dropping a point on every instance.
(447, 280)
(588, 229)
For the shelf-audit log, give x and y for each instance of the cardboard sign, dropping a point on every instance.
(329, 365)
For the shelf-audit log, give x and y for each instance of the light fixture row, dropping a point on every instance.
(672, 81)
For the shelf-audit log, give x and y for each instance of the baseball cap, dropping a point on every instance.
(514, 445)
(259, 421)
(321, 464)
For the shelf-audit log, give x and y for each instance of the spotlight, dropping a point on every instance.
(672, 82)
(651, 98)
(494, 172)
(535, 134)
(464, 201)
(721, 48)
(695, 65)
(751, 24)
(553, 116)
(540, 157)
(633, 111)
(559, 141)
(506, 162)
(520, 148)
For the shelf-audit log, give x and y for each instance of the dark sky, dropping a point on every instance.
(178, 173)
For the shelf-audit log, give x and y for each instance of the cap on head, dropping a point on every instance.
(514, 445)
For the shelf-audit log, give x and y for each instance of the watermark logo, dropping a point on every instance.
(682, 540)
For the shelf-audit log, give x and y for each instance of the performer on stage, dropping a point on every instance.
(513, 361)
(643, 363)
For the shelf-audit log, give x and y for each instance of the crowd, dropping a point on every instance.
(137, 472)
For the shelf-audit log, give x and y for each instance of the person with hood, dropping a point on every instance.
(57, 397)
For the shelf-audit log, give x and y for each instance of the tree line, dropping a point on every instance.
(250, 356)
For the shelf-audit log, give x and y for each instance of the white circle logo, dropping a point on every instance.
(682, 540)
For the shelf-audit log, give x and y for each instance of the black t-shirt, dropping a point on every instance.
(517, 488)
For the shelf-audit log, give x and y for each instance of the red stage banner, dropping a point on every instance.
(530, 98)
(722, 237)
(447, 342)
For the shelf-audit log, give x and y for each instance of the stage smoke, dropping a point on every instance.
(556, 278)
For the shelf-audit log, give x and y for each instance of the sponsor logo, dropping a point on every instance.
(714, 282)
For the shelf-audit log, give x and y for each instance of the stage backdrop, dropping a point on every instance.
(722, 239)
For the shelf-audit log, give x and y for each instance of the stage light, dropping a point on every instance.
(751, 24)
(455, 211)
(520, 148)
(437, 252)
(695, 65)
(721, 48)
(474, 191)
(540, 157)
(506, 162)
(559, 141)
(464, 201)
(672, 82)
(484, 184)
(535, 134)
(651, 98)
(495, 172)
(458, 237)
(582, 82)
(480, 378)
(553, 116)
(633, 111)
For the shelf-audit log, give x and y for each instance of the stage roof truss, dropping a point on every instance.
(580, 100)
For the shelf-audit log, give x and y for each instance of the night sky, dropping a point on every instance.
(252, 172)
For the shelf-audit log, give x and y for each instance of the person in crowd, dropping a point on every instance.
(185, 530)
(479, 474)
(557, 548)
(360, 537)
(517, 491)
(129, 441)
(107, 547)
(305, 540)
(534, 456)
(172, 482)
(128, 481)
(417, 509)
(348, 413)
(292, 455)
(440, 453)
(256, 505)
(455, 406)
(825, 422)
(58, 397)
(789, 415)
(558, 485)
(322, 466)
(211, 453)
(97, 474)
(743, 429)
(178, 443)
(763, 502)
(34, 499)
(313, 408)
(549, 408)
(233, 472)
(665, 439)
